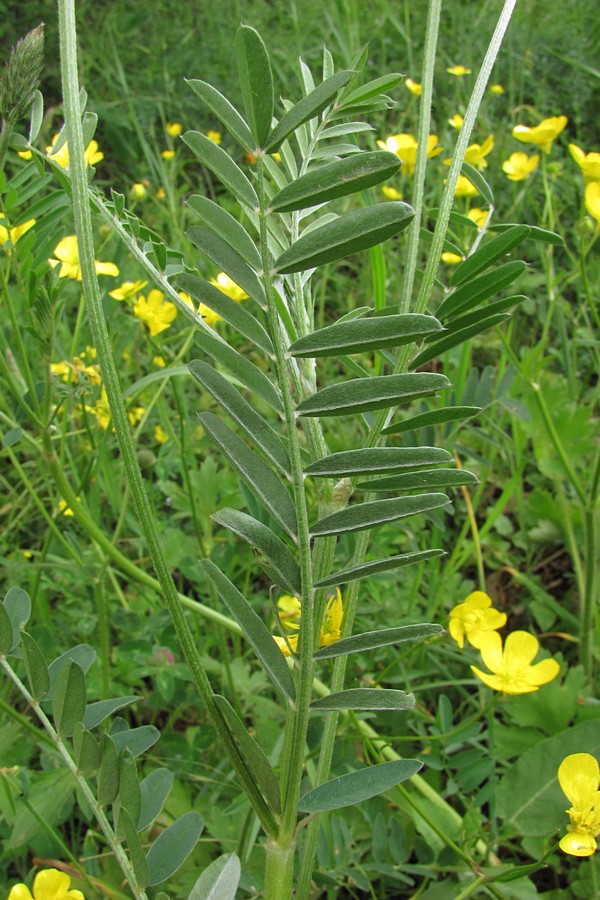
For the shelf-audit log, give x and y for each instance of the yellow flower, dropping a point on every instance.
(101, 410)
(13, 234)
(214, 136)
(458, 71)
(49, 884)
(474, 619)
(456, 121)
(159, 362)
(511, 668)
(592, 201)
(168, 154)
(127, 290)
(135, 415)
(72, 371)
(497, 89)
(405, 147)
(67, 256)
(91, 156)
(174, 129)
(479, 216)
(589, 163)
(64, 508)
(160, 194)
(290, 611)
(519, 166)
(160, 436)
(228, 287)
(414, 87)
(390, 192)
(465, 188)
(451, 259)
(209, 315)
(579, 778)
(154, 312)
(476, 153)
(138, 191)
(543, 134)
(24, 154)
(331, 629)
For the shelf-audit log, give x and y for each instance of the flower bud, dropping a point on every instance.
(21, 76)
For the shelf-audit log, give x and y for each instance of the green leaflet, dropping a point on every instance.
(17, 606)
(347, 790)
(489, 253)
(433, 417)
(362, 335)
(97, 712)
(136, 740)
(220, 879)
(372, 89)
(218, 220)
(307, 108)
(227, 259)
(477, 315)
(129, 797)
(154, 790)
(436, 478)
(350, 233)
(86, 749)
(35, 664)
(370, 640)
(222, 165)
(455, 338)
(256, 81)
(478, 181)
(479, 289)
(360, 516)
(224, 111)
(365, 570)
(377, 459)
(134, 845)
(338, 179)
(108, 774)
(365, 698)
(362, 394)
(535, 233)
(68, 700)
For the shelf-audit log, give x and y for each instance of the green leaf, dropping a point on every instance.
(136, 740)
(227, 259)
(365, 698)
(377, 566)
(233, 312)
(362, 394)
(97, 712)
(173, 846)
(47, 796)
(434, 478)
(136, 851)
(255, 631)
(535, 233)
(350, 233)
(475, 292)
(372, 89)
(249, 374)
(433, 417)
(6, 632)
(455, 338)
(347, 790)
(82, 654)
(307, 108)
(35, 664)
(224, 111)
(257, 763)
(108, 773)
(478, 181)
(36, 117)
(154, 790)
(68, 700)
(17, 605)
(218, 220)
(364, 334)
(478, 315)
(338, 179)
(489, 253)
(244, 415)
(219, 881)
(377, 459)
(361, 516)
(257, 475)
(277, 556)
(129, 797)
(256, 81)
(86, 749)
(222, 165)
(370, 640)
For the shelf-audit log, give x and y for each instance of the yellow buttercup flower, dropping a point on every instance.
(92, 155)
(589, 163)
(127, 290)
(479, 216)
(174, 129)
(154, 312)
(159, 362)
(290, 611)
(214, 136)
(64, 508)
(543, 134)
(512, 670)
(168, 154)
(475, 153)
(414, 87)
(160, 193)
(405, 147)
(451, 259)
(331, 629)
(474, 619)
(101, 410)
(458, 71)
(579, 778)
(138, 191)
(456, 121)
(225, 284)
(464, 187)
(135, 415)
(592, 201)
(519, 166)
(67, 257)
(13, 234)
(497, 89)
(49, 884)
(72, 371)
(24, 154)
(390, 192)
(160, 435)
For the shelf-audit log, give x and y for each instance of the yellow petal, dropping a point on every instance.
(493, 681)
(20, 892)
(579, 777)
(107, 268)
(478, 600)
(520, 649)
(491, 651)
(50, 884)
(543, 672)
(577, 843)
(457, 631)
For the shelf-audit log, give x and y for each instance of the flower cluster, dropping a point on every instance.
(579, 778)
(66, 255)
(290, 611)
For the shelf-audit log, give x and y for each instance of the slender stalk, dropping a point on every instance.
(5, 135)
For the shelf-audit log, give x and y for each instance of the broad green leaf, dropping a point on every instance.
(364, 334)
(222, 165)
(276, 554)
(433, 417)
(136, 740)
(362, 394)
(256, 474)
(256, 81)
(376, 459)
(173, 846)
(247, 373)
(370, 640)
(478, 181)
(338, 179)
(350, 233)
(130, 797)
(254, 629)
(377, 566)
(489, 253)
(435, 478)
(108, 773)
(535, 233)
(229, 261)
(17, 605)
(365, 698)
(68, 700)
(233, 312)
(455, 338)
(154, 790)
(35, 664)
(244, 415)
(100, 710)
(217, 219)
(257, 763)
(134, 845)
(372, 89)
(219, 881)
(307, 108)
(360, 516)
(86, 749)
(6, 632)
(224, 111)
(475, 292)
(82, 654)
(347, 790)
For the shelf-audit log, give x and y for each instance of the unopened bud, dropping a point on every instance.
(21, 76)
